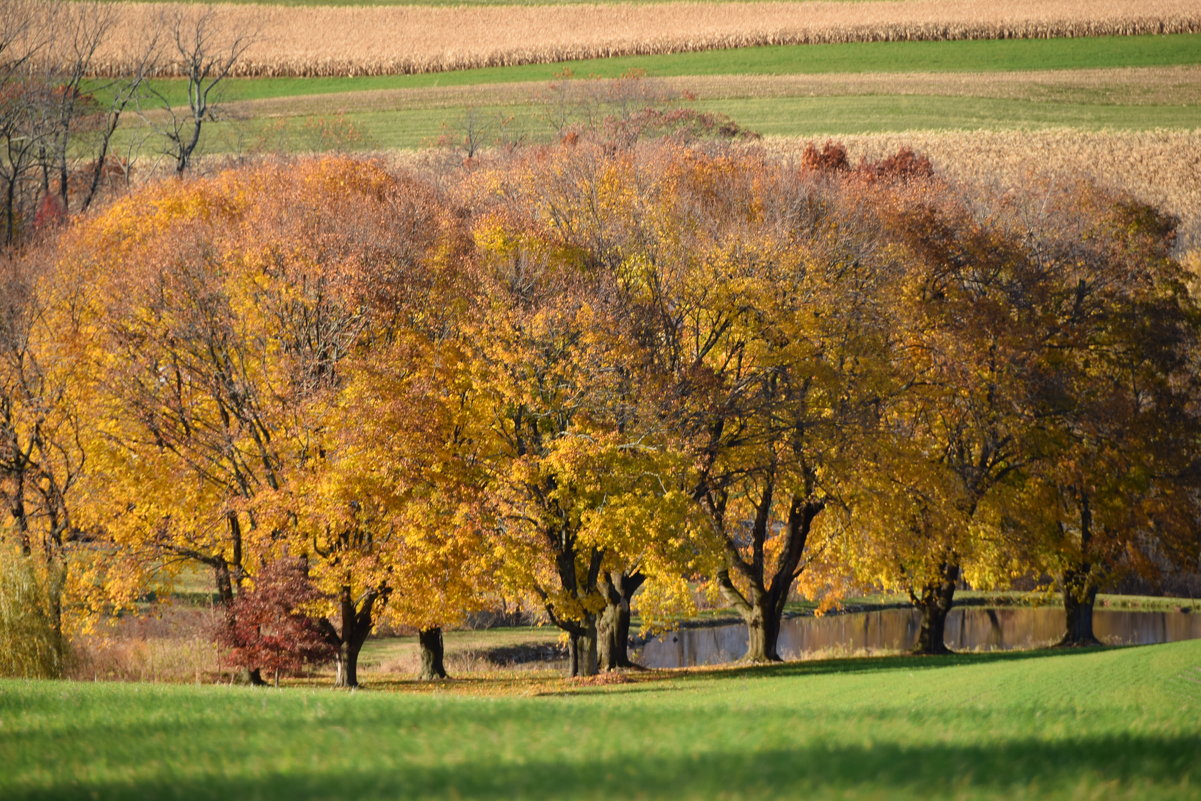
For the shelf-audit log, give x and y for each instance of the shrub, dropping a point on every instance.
(31, 638)
(267, 628)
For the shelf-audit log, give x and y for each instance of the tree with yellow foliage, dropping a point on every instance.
(230, 321)
(585, 487)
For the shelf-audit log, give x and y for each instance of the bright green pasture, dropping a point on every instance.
(991, 55)
(1114, 724)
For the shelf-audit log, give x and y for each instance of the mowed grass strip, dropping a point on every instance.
(326, 41)
(1116, 724)
(814, 116)
(411, 123)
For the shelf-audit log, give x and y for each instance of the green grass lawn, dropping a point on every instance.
(1113, 724)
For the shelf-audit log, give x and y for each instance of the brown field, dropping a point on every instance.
(1127, 86)
(327, 41)
(1159, 167)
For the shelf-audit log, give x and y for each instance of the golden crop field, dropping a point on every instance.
(1159, 167)
(327, 41)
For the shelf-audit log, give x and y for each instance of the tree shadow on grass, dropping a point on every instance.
(1150, 766)
(677, 679)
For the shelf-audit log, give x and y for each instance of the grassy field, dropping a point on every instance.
(1114, 724)
(1123, 109)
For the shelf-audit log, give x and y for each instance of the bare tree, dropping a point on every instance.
(205, 55)
(23, 35)
(56, 125)
(76, 113)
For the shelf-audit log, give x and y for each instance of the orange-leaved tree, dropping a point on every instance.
(1115, 491)
(958, 438)
(227, 315)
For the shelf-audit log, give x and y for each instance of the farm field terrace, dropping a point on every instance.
(1126, 110)
(1115, 82)
(1113, 724)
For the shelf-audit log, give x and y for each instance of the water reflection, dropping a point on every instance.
(968, 629)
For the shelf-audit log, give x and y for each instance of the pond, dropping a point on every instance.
(892, 630)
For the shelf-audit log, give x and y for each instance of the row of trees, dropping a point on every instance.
(583, 371)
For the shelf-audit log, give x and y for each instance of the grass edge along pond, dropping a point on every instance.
(1114, 724)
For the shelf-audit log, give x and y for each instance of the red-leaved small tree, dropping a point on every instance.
(267, 629)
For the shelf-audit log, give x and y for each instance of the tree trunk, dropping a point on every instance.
(356, 623)
(762, 605)
(581, 646)
(10, 211)
(935, 603)
(432, 667)
(761, 611)
(346, 662)
(607, 644)
(1080, 587)
(613, 633)
(346, 665)
(1079, 595)
(763, 634)
(583, 585)
(224, 582)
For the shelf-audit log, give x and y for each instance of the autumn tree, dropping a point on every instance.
(270, 628)
(971, 334)
(405, 460)
(223, 346)
(546, 370)
(40, 460)
(1116, 490)
(52, 562)
(576, 468)
(766, 329)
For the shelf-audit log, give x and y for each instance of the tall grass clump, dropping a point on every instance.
(32, 644)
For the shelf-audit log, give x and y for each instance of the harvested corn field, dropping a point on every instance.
(328, 41)
(1159, 167)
